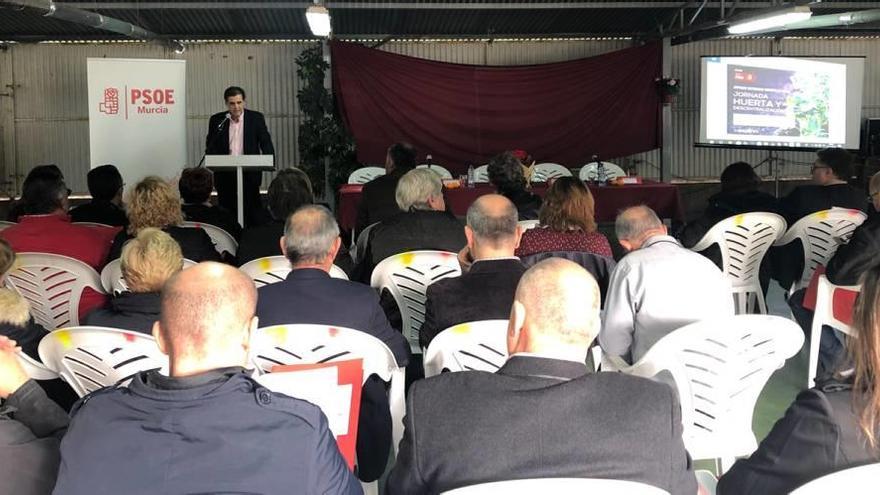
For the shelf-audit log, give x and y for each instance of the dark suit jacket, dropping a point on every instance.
(312, 296)
(195, 244)
(483, 293)
(855, 257)
(378, 201)
(213, 215)
(260, 241)
(128, 311)
(818, 435)
(99, 212)
(256, 139)
(540, 418)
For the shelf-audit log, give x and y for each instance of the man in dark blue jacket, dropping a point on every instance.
(208, 427)
(309, 295)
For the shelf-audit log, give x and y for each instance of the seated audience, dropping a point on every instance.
(31, 427)
(423, 223)
(485, 292)
(567, 222)
(40, 172)
(507, 175)
(147, 262)
(831, 171)
(289, 190)
(105, 186)
(208, 427)
(46, 228)
(377, 197)
(543, 414)
(658, 287)
(828, 428)
(16, 322)
(196, 185)
(152, 202)
(309, 295)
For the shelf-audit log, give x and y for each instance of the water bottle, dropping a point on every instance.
(472, 176)
(601, 175)
(428, 160)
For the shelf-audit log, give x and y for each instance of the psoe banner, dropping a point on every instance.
(137, 116)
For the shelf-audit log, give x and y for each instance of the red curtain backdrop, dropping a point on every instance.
(464, 114)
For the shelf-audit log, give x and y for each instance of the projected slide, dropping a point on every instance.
(778, 101)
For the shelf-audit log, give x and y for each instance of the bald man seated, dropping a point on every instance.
(485, 291)
(208, 427)
(543, 414)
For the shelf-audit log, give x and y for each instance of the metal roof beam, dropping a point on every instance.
(441, 5)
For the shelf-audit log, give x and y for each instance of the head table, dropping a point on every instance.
(661, 197)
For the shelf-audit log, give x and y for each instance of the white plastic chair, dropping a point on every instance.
(559, 486)
(824, 315)
(407, 277)
(821, 233)
(546, 171)
(95, 224)
(112, 280)
(443, 172)
(481, 174)
(719, 368)
(847, 480)
(590, 171)
(528, 224)
(271, 269)
(476, 345)
(5, 225)
(744, 241)
(223, 241)
(35, 369)
(365, 174)
(53, 285)
(89, 358)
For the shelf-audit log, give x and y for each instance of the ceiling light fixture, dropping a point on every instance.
(318, 18)
(777, 19)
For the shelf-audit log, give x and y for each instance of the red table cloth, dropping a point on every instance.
(661, 197)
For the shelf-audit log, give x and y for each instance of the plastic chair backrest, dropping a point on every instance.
(820, 234)
(476, 345)
(365, 174)
(89, 358)
(114, 283)
(546, 171)
(407, 277)
(5, 225)
(720, 367)
(481, 174)
(95, 224)
(560, 486)
(360, 246)
(443, 172)
(53, 285)
(846, 479)
(827, 312)
(35, 369)
(271, 269)
(744, 241)
(223, 241)
(528, 224)
(590, 171)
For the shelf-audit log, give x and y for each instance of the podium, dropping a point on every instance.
(264, 163)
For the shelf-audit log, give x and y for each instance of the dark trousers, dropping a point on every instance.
(832, 348)
(224, 182)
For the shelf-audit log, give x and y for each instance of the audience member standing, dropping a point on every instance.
(658, 287)
(485, 291)
(147, 262)
(208, 427)
(377, 197)
(507, 175)
(152, 202)
(196, 185)
(543, 414)
(309, 295)
(105, 186)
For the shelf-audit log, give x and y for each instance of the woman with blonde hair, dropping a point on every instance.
(153, 202)
(147, 262)
(831, 427)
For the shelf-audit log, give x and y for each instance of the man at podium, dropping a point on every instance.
(238, 131)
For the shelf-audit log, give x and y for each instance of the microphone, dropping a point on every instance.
(225, 120)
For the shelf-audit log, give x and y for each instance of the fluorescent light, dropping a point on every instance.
(776, 20)
(318, 18)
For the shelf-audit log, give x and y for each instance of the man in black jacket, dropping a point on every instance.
(196, 186)
(243, 132)
(543, 414)
(105, 186)
(377, 196)
(486, 291)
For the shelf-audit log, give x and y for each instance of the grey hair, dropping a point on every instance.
(493, 228)
(633, 222)
(309, 234)
(415, 187)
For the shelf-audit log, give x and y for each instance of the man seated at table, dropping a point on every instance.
(207, 427)
(486, 291)
(309, 295)
(658, 287)
(543, 414)
(377, 196)
(105, 186)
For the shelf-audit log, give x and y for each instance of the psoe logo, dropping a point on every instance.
(110, 105)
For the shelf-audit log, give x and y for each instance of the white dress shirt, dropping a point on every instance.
(657, 289)
(236, 136)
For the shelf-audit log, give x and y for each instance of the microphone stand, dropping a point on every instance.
(213, 140)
